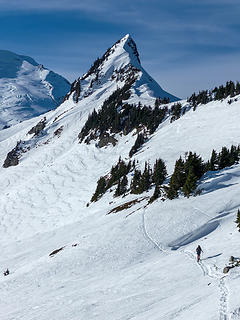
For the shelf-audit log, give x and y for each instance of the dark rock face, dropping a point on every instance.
(133, 46)
(38, 127)
(76, 88)
(12, 158)
(105, 139)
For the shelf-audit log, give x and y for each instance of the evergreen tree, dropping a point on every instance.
(138, 143)
(171, 192)
(124, 184)
(145, 181)
(176, 110)
(101, 188)
(237, 88)
(213, 161)
(224, 158)
(156, 194)
(232, 89)
(238, 220)
(117, 192)
(190, 184)
(121, 186)
(234, 155)
(135, 183)
(159, 172)
(177, 180)
(195, 163)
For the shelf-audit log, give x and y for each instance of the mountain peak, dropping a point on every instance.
(120, 65)
(131, 47)
(10, 63)
(27, 88)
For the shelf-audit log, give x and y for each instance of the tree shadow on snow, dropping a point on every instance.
(215, 180)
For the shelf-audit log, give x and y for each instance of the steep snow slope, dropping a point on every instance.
(27, 88)
(138, 263)
(123, 266)
(118, 66)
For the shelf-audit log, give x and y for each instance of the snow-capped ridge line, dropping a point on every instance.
(113, 70)
(27, 88)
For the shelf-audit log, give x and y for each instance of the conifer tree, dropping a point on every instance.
(177, 180)
(159, 172)
(145, 178)
(117, 192)
(190, 184)
(101, 188)
(123, 185)
(237, 88)
(135, 183)
(156, 194)
(195, 163)
(238, 220)
(234, 155)
(224, 158)
(213, 161)
(138, 143)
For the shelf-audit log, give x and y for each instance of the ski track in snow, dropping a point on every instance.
(223, 289)
(51, 186)
(148, 237)
(207, 270)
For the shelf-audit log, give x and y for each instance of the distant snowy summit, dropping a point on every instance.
(27, 89)
(120, 65)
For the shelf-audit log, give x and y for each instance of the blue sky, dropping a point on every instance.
(186, 45)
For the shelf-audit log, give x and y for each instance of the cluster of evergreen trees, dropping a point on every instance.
(143, 181)
(114, 116)
(118, 175)
(187, 172)
(225, 158)
(218, 93)
(184, 179)
(140, 182)
(185, 176)
(159, 101)
(176, 111)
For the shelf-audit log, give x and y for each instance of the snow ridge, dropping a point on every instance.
(113, 70)
(27, 88)
(115, 270)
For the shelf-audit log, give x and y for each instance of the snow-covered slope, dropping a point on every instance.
(138, 263)
(27, 89)
(118, 66)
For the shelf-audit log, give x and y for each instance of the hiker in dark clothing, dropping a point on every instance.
(198, 250)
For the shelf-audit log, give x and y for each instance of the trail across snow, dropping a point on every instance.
(207, 270)
(148, 236)
(122, 268)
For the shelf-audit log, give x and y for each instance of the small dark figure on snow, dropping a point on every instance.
(199, 251)
(6, 273)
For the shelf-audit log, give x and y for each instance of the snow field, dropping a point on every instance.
(136, 264)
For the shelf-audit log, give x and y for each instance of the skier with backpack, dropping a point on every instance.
(199, 251)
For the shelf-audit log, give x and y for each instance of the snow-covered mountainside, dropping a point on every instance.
(27, 89)
(120, 65)
(120, 257)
